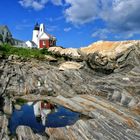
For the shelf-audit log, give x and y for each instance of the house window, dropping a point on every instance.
(44, 43)
(50, 41)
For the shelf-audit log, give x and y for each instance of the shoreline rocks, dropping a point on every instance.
(104, 86)
(8, 106)
(70, 65)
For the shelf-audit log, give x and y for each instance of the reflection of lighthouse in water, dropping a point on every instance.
(42, 109)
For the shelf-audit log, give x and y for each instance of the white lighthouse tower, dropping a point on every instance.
(36, 33)
(42, 28)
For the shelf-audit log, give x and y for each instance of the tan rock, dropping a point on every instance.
(55, 50)
(8, 106)
(71, 52)
(70, 65)
(50, 58)
(109, 48)
(18, 107)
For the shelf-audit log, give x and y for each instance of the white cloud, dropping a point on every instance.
(38, 4)
(101, 34)
(81, 11)
(119, 15)
(55, 19)
(57, 2)
(67, 29)
(52, 28)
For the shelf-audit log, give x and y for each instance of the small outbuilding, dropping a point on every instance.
(31, 44)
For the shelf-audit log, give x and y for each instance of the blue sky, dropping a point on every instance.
(75, 23)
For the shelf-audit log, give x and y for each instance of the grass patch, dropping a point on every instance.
(21, 101)
(7, 50)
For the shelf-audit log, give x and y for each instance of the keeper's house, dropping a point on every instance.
(40, 38)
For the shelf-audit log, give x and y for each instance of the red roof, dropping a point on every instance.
(47, 105)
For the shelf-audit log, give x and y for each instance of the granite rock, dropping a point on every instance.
(105, 89)
(26, 133)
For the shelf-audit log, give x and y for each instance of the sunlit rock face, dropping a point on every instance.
(66, 52)
(109, 48)
(108, 57)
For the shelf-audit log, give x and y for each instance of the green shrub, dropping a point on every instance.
(7, 49)
(1, 38)
(45, 51)
(21, 101)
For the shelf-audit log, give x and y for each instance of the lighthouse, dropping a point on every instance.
(40, 38)
(42, 28)
(35, 34)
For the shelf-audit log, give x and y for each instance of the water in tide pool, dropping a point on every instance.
(60, 118)
(1, 103)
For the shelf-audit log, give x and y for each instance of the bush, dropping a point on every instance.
(21, 101)
(7, 49)
(1, 38)
(45, 51)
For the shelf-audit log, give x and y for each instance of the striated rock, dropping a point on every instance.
(13, 57)
(106, 121)
(100, 63)
(125, 100)
(8, 106)
(134, 101)
(104, 88)
(50, 58)
(10, 57)
(116, 96)
(25, 133)
(106, 57)
(69, 52)
(38, 77)
(70, 65)
(3, 128)
(55, 50)
(109, 48)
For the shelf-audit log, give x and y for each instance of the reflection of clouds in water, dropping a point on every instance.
(30, 103)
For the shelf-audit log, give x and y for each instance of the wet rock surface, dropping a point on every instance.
(105, 89)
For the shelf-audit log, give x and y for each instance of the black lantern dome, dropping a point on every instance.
(36, 27)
